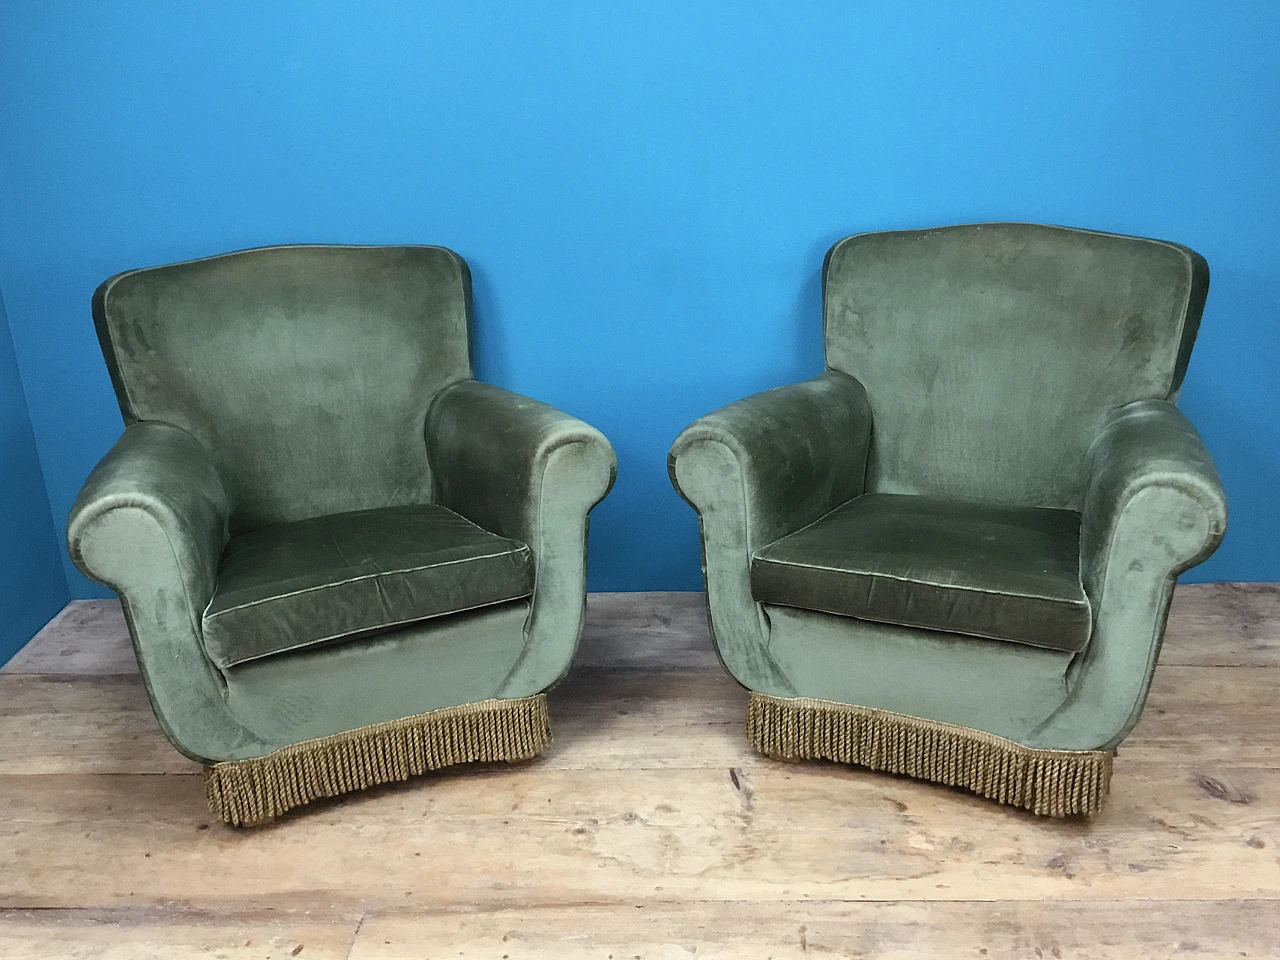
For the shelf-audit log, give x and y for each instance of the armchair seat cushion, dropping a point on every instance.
(983, 570)
(307, 582)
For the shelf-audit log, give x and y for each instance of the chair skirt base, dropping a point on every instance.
(258, 789)
(1055, 783)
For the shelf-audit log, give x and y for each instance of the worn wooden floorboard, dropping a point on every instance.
(794, 930)
(650, 829)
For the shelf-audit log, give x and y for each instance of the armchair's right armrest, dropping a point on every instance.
(755, 471)
(151, 523)
(1149, 476)
(797, 451)
(157, 478)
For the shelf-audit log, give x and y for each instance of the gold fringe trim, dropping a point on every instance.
(246, 792)
(1055, 783)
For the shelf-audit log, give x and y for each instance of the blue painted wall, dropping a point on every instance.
(644, 191)
(32, 585)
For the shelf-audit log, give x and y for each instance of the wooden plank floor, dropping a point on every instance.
(649, 830)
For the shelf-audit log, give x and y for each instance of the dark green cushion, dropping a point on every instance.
(293, 585)
(1008, 573)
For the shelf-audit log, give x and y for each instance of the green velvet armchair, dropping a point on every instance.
(951, 554)
(342, 560)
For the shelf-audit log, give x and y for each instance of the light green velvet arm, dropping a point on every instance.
(150, 523)
(1153, 507)
(524, 470)
(758, 470)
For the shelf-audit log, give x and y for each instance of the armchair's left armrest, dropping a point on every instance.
(1153, 507)
(1149, 481)
(525, 470)
(506, 462)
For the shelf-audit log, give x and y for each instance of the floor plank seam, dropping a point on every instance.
(355, 935)
(212, 914)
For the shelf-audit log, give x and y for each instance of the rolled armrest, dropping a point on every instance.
(1149, 475)
(162, 476)
(757, 470)
(490, 451)
(525, 470)
(151, 523)
(800, 451)
(1153, 506)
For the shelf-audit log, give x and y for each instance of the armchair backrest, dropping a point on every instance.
(306, 371)
(992, 353)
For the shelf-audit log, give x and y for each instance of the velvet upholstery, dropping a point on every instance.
(997, 411)
(338, 577)
(326, 689)
(756, 471)
(528, 472)
(983, 570)
(1004, 688)
(343, 347)
(280, 503)
(993, 353)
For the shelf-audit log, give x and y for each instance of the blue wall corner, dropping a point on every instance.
(644, 192)
(32, 587)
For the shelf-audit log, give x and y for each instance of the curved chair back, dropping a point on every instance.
(306, 371)
(991, 353)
